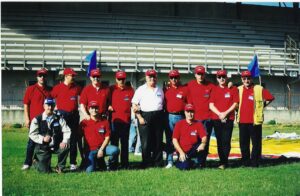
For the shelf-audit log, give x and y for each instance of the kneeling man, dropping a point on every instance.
(96, 132)
(189, 139)
(52, 135)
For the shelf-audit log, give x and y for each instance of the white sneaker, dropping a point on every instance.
(25, 167)
(73, 167)
(169, 166)
(137, 154)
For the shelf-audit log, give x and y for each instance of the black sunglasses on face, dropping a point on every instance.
(121, 79)
(174, 78)
(246, 78)
(200, 74)
(219, 77)
(42, 76)
(96, 77)
(152, 76)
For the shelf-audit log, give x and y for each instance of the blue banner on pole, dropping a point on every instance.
(92, 58)
(253, 67)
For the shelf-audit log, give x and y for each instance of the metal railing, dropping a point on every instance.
(291, 48)
(141, 56)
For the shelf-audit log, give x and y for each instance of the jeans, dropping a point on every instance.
(29, 152)
(172, 119)
(110, 150)
(192, 153)
(208, 127)
(223, 134)
(134, 144)
(120, 131)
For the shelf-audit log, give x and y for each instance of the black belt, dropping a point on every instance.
(177, 113)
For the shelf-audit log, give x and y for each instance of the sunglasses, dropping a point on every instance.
(152, 76)
(246, 78)
(200, 74)
(219, 77)
(96, 77)
(123, 79)
(42, 76)
(173, 78)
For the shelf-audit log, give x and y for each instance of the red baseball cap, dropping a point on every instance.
(42, 71)
(246, 74)
(69, 71)
(93, 104)
(189, 107)
(222, 73)
(95, 72)
(151, 72)
(199, 69)
(174, 73)
(121, 74)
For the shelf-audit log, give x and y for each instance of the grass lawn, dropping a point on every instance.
(274, 178)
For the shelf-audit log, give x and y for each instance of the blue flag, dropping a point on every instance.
(92, 58)
(253, 67)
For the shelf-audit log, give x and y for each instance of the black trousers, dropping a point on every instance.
(120, 131)
(223, 133)
(253, 132)
(72, 120)
(151, 138)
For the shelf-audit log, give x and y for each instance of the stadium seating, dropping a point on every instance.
(136, 43)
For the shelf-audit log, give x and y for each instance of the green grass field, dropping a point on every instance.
(278, 178)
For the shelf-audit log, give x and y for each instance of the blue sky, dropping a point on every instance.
(288, 4)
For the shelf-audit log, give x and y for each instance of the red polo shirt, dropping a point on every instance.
(175, 98)
(198, 95)
(121, 103)
(66, 96)
(223, 98)
(34, 97)
(247, 107)
(94, 132)
(101, 95)
(188, 135)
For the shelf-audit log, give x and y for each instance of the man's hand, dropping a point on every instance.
(135, 108)
(27, 123)
(222, 115)
(182, 157)
(110, 108)
(142, 121)
(63, 145)
(201, 147)
(100, 153)
(47, 139)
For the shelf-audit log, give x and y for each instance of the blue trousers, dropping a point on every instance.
(92, 160)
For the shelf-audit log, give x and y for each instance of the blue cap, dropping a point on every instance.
(49, 101)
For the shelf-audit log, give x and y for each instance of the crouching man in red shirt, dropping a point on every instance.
(96, 132)
(189, 139)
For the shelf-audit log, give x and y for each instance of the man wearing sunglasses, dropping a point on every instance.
(175, 100)
(252, 100)
(120, 107)
(33, 105)
(148, 103)
(199, 91)
(66, 94)
(222, 103)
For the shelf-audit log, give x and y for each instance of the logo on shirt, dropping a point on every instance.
(250, 97)
(56, 124)
(227, 95)
(73, 98)
(101, 130)
(126, 98)
(194, 133)
(158, 94)
(179, 95)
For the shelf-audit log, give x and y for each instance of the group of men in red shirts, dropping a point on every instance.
(191, 112)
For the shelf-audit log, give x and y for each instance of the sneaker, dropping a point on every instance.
(222, 167)
(137, 154)
(58, 170)
(25, 167)
(73, 167)
(169, 166)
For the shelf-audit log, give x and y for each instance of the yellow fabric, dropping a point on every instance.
(269, 146)
(258, 115)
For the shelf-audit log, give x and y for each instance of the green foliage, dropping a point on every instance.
(271, 122)
(282, 179)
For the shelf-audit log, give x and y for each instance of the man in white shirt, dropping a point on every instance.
(147, 103)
